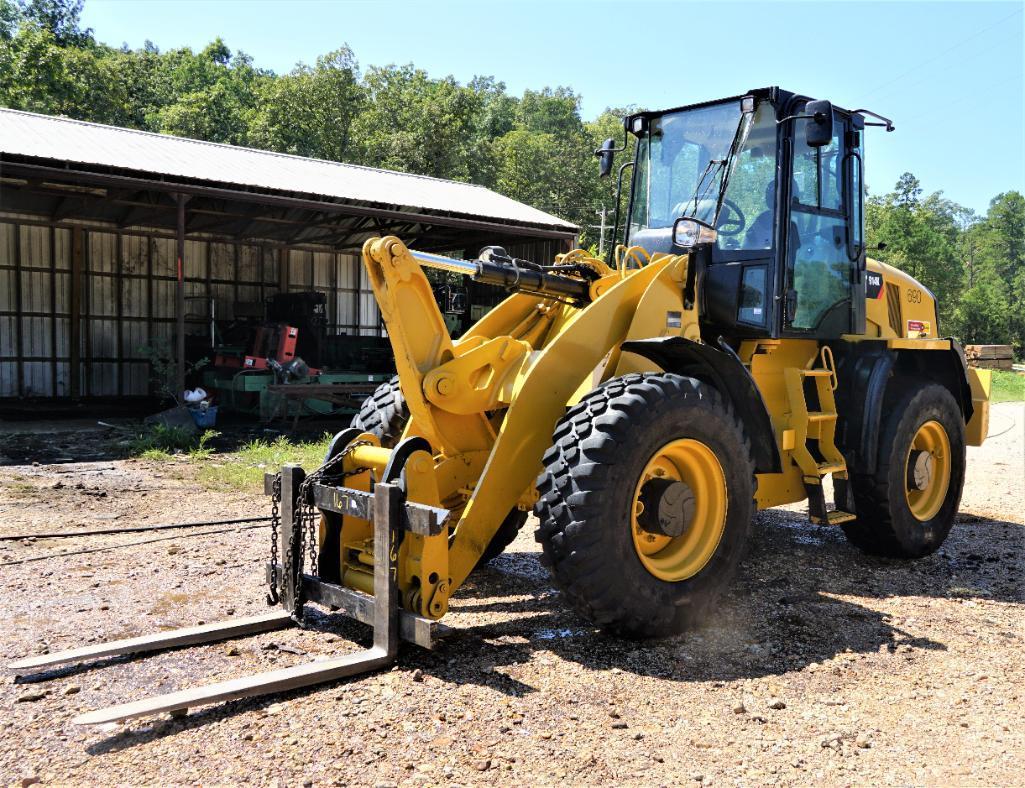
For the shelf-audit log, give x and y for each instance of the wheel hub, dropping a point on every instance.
(927, 470)
(679, 510)
(920, 469)
(667, 507)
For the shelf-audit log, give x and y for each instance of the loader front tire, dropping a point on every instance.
(635, 439)
(901, 514)
(384, 413)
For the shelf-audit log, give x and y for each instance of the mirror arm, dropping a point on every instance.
(886, 124)
(795, 117)
(620, 149)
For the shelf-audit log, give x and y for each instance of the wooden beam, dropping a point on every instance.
(179, 379)
(75, 309)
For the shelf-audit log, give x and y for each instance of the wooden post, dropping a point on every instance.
(119, 311)
(53, 311)
(357, 274)
(19, 319)
(282, 269)
(75, 312)
(179, 379)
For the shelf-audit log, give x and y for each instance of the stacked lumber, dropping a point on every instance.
(989, 356)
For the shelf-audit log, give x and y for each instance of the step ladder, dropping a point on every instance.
(820, 426)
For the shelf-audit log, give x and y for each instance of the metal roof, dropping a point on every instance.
(26, 134)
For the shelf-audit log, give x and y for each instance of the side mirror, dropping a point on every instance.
(606, 155)
(688, 233)
(819, 129)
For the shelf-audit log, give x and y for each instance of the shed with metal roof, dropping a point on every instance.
(106, 234)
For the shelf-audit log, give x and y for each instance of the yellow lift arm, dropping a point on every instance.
(487, 404)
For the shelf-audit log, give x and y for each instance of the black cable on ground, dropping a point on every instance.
(30, 559)
(131, 529)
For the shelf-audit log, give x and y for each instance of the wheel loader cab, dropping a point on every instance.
(788, 258)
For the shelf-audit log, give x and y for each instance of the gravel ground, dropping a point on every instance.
(822, 665)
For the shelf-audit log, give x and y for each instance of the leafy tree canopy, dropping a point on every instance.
(535, 147)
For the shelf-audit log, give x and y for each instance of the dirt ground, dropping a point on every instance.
(822, 665)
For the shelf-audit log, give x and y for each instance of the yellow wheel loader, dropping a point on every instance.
(738, 350)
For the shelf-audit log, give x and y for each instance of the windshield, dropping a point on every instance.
(683, 159)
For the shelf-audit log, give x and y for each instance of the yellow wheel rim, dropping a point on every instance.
(675, 558)
(927, 470)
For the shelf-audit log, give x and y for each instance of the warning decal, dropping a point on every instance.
(918, 329)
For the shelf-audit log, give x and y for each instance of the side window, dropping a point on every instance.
(857, 160)
(639, 209)
(819, 268)
(818, 181)
(752, 296)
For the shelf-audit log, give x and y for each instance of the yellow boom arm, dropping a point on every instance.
(488, 403)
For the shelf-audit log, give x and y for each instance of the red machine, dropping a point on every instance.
(269, 341)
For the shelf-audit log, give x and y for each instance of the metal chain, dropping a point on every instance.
(275, 522)
(304, 514)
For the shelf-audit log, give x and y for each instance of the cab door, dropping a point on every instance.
(824, 291)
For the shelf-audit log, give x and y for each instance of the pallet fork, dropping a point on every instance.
(390, 515)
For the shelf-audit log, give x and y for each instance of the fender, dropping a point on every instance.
(959, 369)
(723, 369)
(865, 372)
(864, 376)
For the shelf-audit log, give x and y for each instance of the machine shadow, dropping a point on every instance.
(784, 612)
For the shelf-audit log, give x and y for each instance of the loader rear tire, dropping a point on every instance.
(384, 413)
(504, 536)
(894, 517)
(606, 450)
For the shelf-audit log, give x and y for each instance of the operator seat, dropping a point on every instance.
(759, 236)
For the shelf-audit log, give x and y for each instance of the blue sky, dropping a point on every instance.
(949, 74)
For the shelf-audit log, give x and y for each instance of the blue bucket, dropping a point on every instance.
(204, 418)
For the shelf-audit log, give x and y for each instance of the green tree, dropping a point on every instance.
(921, 238)
(549, 111)
(39, 75)
(982, 314)
(212, 94)
(548, 171)
(10, 18)
(413, 123)
(310, 111)
(1001, 251)
(62, 18)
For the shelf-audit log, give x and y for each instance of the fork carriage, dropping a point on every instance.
(391, 517)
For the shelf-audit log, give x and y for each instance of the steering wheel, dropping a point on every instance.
(731, 219)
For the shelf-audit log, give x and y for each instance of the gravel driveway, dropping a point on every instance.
(823, 665)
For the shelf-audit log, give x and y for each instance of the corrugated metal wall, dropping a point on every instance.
(121, 284)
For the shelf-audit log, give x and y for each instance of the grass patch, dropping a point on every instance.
(20, 489)
(1007, 387)
(162, 443)
(244, 469)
